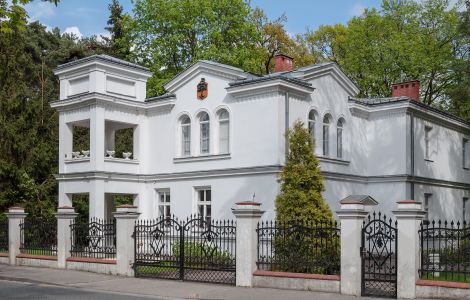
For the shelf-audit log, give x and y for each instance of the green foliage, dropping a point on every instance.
(201, 254)
(300, 199)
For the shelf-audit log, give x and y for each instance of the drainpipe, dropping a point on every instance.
(286, 125)
(412, 155)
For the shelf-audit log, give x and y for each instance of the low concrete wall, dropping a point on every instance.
(103, 266)
(442, 289)
(297, 281)
(36, 260)
(4, 258)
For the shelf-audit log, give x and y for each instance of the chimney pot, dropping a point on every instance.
(282, 63)
(407, 89)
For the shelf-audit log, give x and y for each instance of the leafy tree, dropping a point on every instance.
(300, 199)
(118, 44)
(327, 42)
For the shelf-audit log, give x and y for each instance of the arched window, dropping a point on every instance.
(224, 131)
(185, 136)
(204, 126)
(339, 138)
(326, 135)
(311, 124)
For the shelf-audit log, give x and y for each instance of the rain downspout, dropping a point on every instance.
(286, 125)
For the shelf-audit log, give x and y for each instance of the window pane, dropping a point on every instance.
(168, 212)
(325, 140)
(160, 210)
(224, 137)
(208, 195)
(340, 142)
(205, 138)
(201, 210)
(208, 210)
(186, 140)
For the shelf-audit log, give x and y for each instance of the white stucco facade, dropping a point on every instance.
(383, 140)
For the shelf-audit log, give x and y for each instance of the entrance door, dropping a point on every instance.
(379, 256)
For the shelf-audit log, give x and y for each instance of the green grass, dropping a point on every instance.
(162, 268)
(447, 276)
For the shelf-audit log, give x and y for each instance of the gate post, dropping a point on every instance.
(409, 216)
(15, 216)
(64, 215)
(248, 214)
(125, 215)
(351, 215)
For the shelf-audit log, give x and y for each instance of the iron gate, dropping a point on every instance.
(379, 257)
(194, 250)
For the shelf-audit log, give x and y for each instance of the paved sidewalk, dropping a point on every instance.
(152, 288)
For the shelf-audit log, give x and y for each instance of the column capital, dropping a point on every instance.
(66, 212)
(409, 209)
(126, 211)
(247, 209)
(352, 211)
(16, 212)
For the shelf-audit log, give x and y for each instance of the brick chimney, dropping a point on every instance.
(282, 63)
(407, 89)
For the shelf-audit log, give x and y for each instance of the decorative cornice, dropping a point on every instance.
(279, 84)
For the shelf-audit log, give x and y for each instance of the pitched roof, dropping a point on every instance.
(102, 57)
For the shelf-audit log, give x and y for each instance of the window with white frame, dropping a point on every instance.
(427, 203)
(164, 208)
(224, 131)
(204, 126)
(339, 138)
(204, 199)
(465, 154)
(311, 124)
(427, 142)
(326, 135)
(185, 136)
(465, 208)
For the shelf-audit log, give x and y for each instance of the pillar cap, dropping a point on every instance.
(126, 211)
(65, 212)
(16, 212)
(247, 209)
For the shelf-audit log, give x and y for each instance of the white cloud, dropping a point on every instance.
(357, 9)
(74, 30)
(38, 10)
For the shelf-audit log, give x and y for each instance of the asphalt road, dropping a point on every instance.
(21, 290)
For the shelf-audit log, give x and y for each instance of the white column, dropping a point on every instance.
(65, 215)
(64, 198)
(409, 216)
(248, 215)
(97, 138)
(65, 142)
(15, 216)
(351, 217)
(125, 215)
(97, 199)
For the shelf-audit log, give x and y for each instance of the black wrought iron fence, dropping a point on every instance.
(4, 235)
(445, 251)
(300, 248)
(95, 238)
(38, 236)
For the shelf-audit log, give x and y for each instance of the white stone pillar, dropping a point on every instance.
(409, 216)
(97, 205)
(97, 138)
(125, 215)
(65, 215)
(248, 215)
(15, 216)
(351, 215)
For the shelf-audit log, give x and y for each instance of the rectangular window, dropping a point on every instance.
(204, 208)
(186, 140)
(464, 209)
(326, 148)
(427, 201)
(164, 208)
(224, 137)
(427, 142)
(205, 138)
(339, 140)
(465, 160)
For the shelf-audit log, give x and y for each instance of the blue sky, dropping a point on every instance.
(88, 17)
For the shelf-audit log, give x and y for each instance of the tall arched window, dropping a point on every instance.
(204, 126)
(311, 124)
(339, 138)
(326, 135)
(224, 131)
(185, 136)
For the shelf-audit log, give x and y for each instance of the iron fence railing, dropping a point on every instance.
(95, 238)
(306, 247)
(445, 251)
(4, 235)
(38, 237)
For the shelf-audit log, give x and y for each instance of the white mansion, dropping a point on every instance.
(217, 137)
